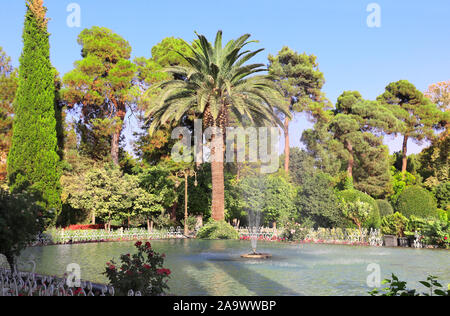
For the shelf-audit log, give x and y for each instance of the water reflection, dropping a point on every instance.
(215, 267)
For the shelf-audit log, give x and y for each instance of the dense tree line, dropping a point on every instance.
(82, 173)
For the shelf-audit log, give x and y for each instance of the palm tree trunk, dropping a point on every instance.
(218, 191)
(218, 183)
(405, 154)
(287, 147)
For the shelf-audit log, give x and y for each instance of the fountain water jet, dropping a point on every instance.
(254, 205)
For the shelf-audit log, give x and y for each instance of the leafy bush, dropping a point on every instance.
(398, 288)
(218, 230)
(374, 220)
(358, 212)
(433, 232)
(385, 208)
(317, 202)
(272, 195)
(437, 233)
(395, 224)
(442, 194)
(141, 272)
(417, 201)
(294, 232)
(21, 220)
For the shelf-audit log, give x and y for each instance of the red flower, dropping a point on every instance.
(445, 238)
(112, 267)
(138, 244)
(148, 245)
(146, 266)
(163, 271)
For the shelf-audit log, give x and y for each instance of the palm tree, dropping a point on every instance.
(218, 83)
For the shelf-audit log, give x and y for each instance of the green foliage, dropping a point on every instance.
(432, 232)
(359, 212)
(417, 113)
(348, 138)
(217, 76)
(437, 233)
(8, 87)
(217, 230)
(301, 165)
(160, 190)
(199, 199)
(33, 161)
(442, 194)
(141, 272)
(435, 163)
(394, 224)
(294, 232)
(374, 219)
(273, 196)
(111, 195)
(385, 208)
(416, 201)
(21, 220)
(399, 182)
(395, 287)
(318, 203)
(300, 81)
(411, 107)
(101, 84)
(191, 223)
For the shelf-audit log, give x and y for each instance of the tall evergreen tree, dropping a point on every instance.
(300, 81)
(101, 86)
(419, 115)
(33, 160)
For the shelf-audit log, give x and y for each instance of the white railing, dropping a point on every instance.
(13, 283)
(79, 236)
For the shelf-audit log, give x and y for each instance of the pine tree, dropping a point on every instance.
(33, 160)
(300, 80)
(419, 115)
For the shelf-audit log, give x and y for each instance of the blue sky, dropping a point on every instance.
(412, 43)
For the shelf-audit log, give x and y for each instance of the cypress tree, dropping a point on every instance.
(33, 160)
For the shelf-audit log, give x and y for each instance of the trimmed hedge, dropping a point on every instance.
(417, 201)
(218, 230)
(354, 195)
(385, 208)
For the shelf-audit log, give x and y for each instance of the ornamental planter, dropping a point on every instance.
(390, 241)
(403, 241)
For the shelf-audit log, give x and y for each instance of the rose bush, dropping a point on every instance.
(143, 272)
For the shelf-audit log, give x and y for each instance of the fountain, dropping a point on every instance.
(254, 204)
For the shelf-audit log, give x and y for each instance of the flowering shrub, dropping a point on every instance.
(85, 227)
(141, 272)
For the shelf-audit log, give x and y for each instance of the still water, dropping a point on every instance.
(215, 267)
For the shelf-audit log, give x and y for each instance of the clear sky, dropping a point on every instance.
(412, 43)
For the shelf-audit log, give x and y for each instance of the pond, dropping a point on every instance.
(215, 267)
